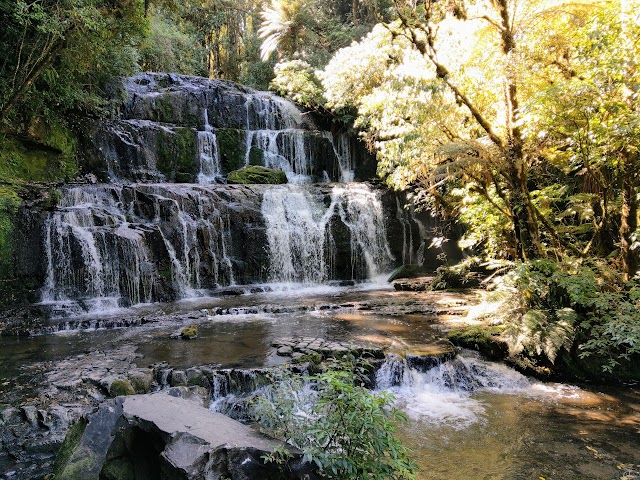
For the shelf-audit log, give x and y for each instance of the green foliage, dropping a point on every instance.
(560, 305)
(61, 54)
(297, 80)
(456, 276)
(171, 46)
(9, 202)
(341, 426)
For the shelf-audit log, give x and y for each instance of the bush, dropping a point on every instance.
(574, 304)
(345, 429)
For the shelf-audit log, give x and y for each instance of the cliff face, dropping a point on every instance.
(163, 225)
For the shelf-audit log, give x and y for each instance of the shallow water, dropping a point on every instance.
(505, 427)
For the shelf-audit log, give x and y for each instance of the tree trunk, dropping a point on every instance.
(628, 225)
(524, 218)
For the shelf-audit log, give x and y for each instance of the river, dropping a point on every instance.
(468, 418)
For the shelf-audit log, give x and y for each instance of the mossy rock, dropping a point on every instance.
(257, 174)
(189, 333)
(120, 387)
(231, 147)
(141, 381)
(70, 443)
(314, 358)
(176, 154)
(485, 339)
(256, 156)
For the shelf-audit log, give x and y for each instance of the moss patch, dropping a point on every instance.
(484, 339)
(189, 333)
(141, 381)
(256, 156)
(120, 387)
(70, 443)
(176, 154)
(232, 146)
(257, 174)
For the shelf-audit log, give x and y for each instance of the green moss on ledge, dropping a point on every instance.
(231, 146)
(257, 174)
(483, 338)
(120, 387)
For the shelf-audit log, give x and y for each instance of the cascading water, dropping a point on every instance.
(362, 213)
(113, 246)
(448, 393)
(296, 232)
(208, 154)
(301, 237)
(108, 246)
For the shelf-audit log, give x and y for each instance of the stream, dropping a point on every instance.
(468, 418)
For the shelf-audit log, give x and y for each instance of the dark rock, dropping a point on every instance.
(178, 378)
(408, 271)
(159, 436)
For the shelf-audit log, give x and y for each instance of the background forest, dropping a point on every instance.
(518, 120)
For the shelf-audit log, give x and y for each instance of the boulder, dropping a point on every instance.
(163, 437)
(408, 271)
(256, 174)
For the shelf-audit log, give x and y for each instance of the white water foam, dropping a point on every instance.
(451, 394)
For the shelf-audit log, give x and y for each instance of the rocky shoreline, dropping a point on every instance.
(35, 418)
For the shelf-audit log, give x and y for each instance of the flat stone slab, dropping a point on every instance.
(174, 415)
(165, 437)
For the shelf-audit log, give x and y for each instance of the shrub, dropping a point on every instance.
(345, 429)
(561, 305)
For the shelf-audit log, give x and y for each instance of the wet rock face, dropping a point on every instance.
(176, 128)
(163, 437)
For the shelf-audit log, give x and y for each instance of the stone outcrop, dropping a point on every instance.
(161, 437)
(168, 121)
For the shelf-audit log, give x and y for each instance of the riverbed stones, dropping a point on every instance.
(298, 348)
(160, 436)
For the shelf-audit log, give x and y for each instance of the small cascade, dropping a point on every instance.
(342, 149)
(208, 154)
(94, 253)
(115, 246)
(281, 150)
(445, 394)
(268, 112)
(362, 212)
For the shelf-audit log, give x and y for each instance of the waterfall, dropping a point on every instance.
(115, 245)
(110, 246)
(282, 150)
(342, 149)
(361, 211)
(300, 233)
(208, 154)
(94, 253)
(296, 232)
